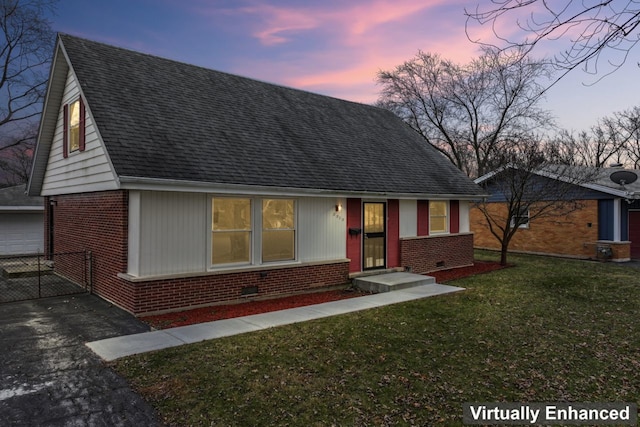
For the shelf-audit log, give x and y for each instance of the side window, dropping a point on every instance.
(438, 217)
(278, 230)
(231, 231)
(522, 219)
(73, 127)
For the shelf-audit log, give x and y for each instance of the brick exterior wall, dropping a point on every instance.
(173, 294)
(431, 253)
(574, 235)
(98, 222)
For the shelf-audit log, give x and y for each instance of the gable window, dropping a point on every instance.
(231, 231)
(74, 127)
(438, 217)
(522, 219)
(278, 230)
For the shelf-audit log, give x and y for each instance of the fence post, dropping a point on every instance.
(39, 275)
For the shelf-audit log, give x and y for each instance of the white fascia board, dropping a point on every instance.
(155, 184)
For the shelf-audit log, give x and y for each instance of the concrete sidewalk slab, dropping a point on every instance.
(115, 348)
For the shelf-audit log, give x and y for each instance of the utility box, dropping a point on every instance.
(603, 252)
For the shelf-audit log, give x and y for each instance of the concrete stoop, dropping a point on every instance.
(391, 282)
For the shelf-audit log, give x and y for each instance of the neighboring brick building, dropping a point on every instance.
(192, 187)
(606, 226)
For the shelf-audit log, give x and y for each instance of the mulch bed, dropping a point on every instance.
(220, 312)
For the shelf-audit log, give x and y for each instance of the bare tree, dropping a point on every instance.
(629, 126)
(26, 44)
(597, 33)
(16, 159)
(614, 139)
(528, 187)
(472, 112)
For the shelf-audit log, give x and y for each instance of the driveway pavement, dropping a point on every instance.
(48, 377)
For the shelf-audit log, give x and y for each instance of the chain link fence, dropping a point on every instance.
(31, 277)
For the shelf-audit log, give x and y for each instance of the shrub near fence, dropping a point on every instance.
(34, 276)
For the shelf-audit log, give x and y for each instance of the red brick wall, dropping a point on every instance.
(425, 254)
(98, 222)
(173, 294)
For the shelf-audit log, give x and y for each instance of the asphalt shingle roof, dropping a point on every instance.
(169, 120)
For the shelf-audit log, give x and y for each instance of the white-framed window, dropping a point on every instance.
(521, 218)
(278, 230)
(74, 138)
(438, 216)
(231, 229)
(252, 231)
(73, 125)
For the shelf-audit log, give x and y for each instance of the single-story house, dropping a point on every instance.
(193, 187)
(21, 222)
(606, 226)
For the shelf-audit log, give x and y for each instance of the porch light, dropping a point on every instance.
(339, 207)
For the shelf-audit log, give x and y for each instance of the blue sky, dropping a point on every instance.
(333, 47)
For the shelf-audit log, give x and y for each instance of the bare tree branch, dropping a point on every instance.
(595, 36)
(468, 112)
(26, 45)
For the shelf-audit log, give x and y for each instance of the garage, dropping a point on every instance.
(21, 222)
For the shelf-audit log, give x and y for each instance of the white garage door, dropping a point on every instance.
(21, 233)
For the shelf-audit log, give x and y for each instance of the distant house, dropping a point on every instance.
(607, 226)
(21, 222)
(193, 187)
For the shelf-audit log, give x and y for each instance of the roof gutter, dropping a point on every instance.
(158, 184)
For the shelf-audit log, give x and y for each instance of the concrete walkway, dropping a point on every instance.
(114, 348)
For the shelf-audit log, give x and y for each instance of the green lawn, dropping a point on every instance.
(544, 330)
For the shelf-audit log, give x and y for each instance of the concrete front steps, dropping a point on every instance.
(387, 282)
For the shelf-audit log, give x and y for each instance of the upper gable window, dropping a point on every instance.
(74, 127)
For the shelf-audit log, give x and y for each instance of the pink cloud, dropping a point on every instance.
(351, 43)
(356, 19)
(281, 21)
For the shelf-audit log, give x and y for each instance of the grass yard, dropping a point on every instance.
(544, 330)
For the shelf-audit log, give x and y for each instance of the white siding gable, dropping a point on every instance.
(89, 170)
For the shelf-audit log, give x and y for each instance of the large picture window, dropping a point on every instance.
(231, 231)
(278, 230)
(438, 217)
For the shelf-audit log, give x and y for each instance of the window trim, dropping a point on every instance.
(67, 128)
(255, 250)
(212, 231)
(294, 229)
(520, 215)
(447, 218)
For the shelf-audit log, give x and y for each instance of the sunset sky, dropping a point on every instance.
(332, 47)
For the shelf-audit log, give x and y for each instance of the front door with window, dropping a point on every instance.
(374, 233)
